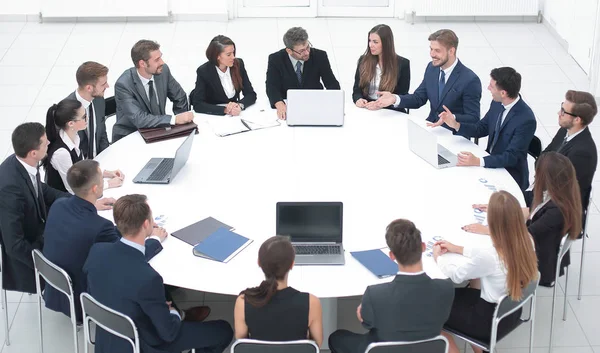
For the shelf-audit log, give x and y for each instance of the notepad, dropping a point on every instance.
(377, 262)
(222, 245)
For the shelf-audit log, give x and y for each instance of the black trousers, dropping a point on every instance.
(204, 337)
(344, 341)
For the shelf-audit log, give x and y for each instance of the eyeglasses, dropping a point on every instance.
(305, 50)
(563, 111)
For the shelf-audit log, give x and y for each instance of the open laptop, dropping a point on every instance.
(163, 170)
(315, 230)
(423, 143)
(315, 107)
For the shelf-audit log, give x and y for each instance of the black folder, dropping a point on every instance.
(197, 232)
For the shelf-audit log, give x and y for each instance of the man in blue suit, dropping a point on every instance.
(119, 277)
(509, 123)
(447, 82)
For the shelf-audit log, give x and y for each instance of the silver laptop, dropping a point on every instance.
(423, 143)
(315, 230)
(315, 107)
(163, 170)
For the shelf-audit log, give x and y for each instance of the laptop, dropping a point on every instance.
(163, 170)
(423, 143)
(315, 230)
(315, 107)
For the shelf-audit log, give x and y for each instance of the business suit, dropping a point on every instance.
(402, 84)
(119, 277)
(72, 228)
(100, 135)
(281, 76)
(22, 221)
(409, 308)
(209, 91)
(461, 94)
(512, 144)
(133, 105)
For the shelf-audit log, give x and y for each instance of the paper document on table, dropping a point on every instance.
(225, 126)
(261, 121)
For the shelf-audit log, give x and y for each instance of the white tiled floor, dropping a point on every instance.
(37, 69)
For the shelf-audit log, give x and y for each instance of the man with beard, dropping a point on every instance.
(447, 83)
(141, 93)
(92, 81)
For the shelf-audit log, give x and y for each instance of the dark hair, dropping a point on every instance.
(83, 175)
(368, 62)
(215, 48)
(555, 174)
(142, 49)
(57, 118)
(446, 37)
(294, 36)
(507, 79)
(26, 138)
(130, 212)
(275, 257)
(89, 72)
(404, 240)
(584, 107)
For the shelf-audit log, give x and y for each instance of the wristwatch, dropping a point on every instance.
(241, 106)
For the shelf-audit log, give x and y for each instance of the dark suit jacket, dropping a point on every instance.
(581, 151)
(409, 308)
(120, 277)
(22, 221)
(516, 132)
(402, 84)
(72, 228)
(461, 94)
(546, 228)
(100, 137)
(281, 76)
(133, 105)
(209, 90)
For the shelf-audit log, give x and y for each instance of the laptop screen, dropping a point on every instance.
(310, 221)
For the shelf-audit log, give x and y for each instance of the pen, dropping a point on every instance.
(246, 125)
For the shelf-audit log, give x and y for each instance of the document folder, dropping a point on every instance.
(221, 245)
(197, 232)
(157, 134)
(377, 262)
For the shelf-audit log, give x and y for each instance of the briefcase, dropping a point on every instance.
(157, 134)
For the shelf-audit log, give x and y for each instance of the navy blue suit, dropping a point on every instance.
(516, 132)
(461, 94)
(119, 277)
(72, 228)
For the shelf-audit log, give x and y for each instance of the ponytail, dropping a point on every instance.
(261, 295)
(51, 128)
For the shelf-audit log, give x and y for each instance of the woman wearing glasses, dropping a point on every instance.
(63, 123)
(220, 81)
(380, 69)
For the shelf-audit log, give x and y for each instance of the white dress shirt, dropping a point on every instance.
(410, 273)
(570, 137)
(294, 61)
(226, 82)
(61, 159)
(374, 87)
(88, 106)
(545, 199)
(32, 171)
(507, 109)
(147, 89)
(448, 71)
(481, 262)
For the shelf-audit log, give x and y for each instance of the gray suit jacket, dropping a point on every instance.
(133, 106)
(101, 138)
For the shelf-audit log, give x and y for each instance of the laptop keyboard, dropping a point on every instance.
(162, 170)
(317, 249)
(442, 160)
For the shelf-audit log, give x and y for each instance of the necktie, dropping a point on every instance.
(91, 123)
(497, 129)
(40, 197)
(562, 145)
(152, 96)
(299, 72)
(441, 84)
(84, 143)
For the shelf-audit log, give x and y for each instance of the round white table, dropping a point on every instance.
(366, 164)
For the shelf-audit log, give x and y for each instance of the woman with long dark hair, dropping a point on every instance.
(273, 311)
(63, 123)
(220, 81)
(380, 69)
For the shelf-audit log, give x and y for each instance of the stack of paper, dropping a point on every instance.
(222, 245)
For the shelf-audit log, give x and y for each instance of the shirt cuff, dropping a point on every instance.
(173, 119)
(481, 162)
(155, 237)
(105, 184)
(397, 103)
(174, 312)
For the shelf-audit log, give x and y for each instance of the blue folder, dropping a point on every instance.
(222, 245)
(377, 262)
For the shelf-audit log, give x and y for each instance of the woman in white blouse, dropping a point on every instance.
(501, 268)
(220, 81)
(380, 69)
(64, 121)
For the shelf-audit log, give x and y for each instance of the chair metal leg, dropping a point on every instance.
(39, 301)
(552, 316)
(6, 327)
(582, 258)
(566, 289)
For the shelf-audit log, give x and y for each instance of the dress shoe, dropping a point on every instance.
(197, 313)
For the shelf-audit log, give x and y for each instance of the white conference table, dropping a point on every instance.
(366, 164)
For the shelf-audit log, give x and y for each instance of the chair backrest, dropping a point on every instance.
(256, 346)
(110, 106)
(535, 147)
(108, 319)
(437, 344)
(507, 306)
(52, 274)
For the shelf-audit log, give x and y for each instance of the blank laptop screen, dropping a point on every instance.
(310, 221)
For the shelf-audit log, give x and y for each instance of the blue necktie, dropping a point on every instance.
(299, 72)
(497, 130)
(441, 84)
